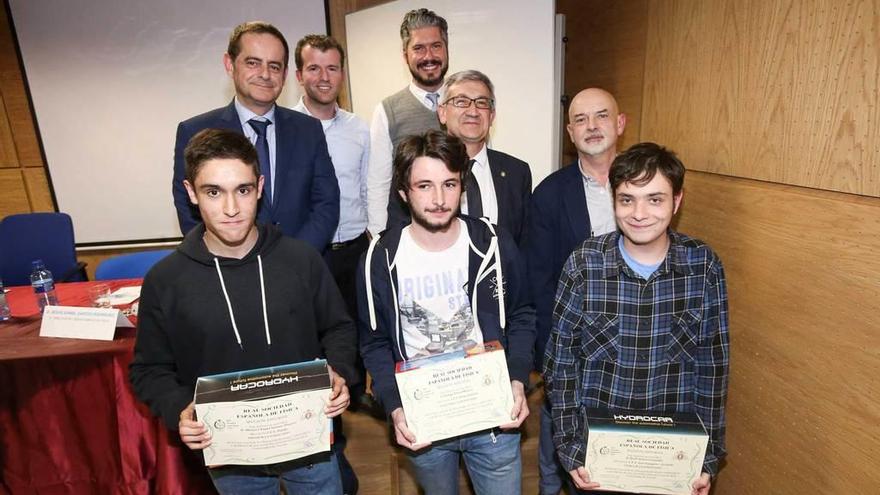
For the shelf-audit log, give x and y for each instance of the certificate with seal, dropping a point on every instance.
(645, 452)
(265, 415)
(455, 393)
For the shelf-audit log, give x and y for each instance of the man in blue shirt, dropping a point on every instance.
(640, 320)
(320, 63)
(320, 70)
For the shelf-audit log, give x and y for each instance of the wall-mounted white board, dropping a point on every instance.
(110, 80)
(511, 41)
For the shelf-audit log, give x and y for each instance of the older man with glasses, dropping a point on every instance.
(499, 185)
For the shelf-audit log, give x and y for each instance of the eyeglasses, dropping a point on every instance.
(462, 101)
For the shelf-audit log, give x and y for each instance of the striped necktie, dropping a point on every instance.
(433, 98)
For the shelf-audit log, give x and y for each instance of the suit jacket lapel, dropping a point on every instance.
(499, 176)
(282, 151)
(575, 202)
(230, 119)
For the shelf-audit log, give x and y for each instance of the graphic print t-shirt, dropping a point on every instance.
(435, 313)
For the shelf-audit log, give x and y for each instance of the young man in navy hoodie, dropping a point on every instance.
(236, 296)
(443, 283)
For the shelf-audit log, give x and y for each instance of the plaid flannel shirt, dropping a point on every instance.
(624, 343)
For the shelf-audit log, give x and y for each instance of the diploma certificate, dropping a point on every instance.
(645, 452)
(455, 393)
(266, 415)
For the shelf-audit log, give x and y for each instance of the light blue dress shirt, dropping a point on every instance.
(348, 140)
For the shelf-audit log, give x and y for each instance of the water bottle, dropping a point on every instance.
(43, 284)
(5, 314)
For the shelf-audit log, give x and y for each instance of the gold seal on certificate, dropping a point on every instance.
(266, 415)
(455, 393)
(645, 452)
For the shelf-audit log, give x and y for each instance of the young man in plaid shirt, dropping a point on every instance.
(640, 320)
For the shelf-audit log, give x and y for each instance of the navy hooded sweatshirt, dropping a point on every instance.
(509, 319)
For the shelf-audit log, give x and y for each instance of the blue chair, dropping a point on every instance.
(134, 265)
(47, 236)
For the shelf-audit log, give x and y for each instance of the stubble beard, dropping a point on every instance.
(422, 220)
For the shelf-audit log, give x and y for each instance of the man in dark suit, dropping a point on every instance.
(567, 207)
(301, 195)
(499, 185)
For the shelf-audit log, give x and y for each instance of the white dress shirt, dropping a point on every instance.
(348, 141)
(600, 205)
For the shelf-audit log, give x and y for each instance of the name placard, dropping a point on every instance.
(75, 322)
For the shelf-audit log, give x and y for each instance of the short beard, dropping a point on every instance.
(599, 150)
(429, 83)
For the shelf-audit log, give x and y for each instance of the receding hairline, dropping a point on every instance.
(612, 107)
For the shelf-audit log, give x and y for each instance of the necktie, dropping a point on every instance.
(262, 146)
(474, 198)
(433, 98)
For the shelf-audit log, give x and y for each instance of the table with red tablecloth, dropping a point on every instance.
(69, 422)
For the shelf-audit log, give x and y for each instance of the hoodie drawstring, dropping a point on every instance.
(229, 303)
(369, 282)
(263, 293)
(499, 276)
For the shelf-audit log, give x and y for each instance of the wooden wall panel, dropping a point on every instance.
(37, 186)
(8, 157)
(804, 294)
(14, 198)
(7, 45)
(606, 49)
(18, 110)
(783, 91)
(25, 187)
(20, 116)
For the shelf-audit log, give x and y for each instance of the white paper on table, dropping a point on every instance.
(125, 295)
(75, 322)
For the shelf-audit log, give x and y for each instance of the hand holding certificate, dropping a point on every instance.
(453, 394)
(267, 415)
(644, 452)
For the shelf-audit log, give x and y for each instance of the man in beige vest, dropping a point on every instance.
(412, 110)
